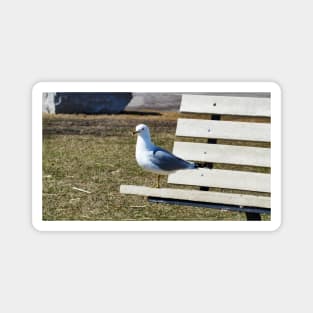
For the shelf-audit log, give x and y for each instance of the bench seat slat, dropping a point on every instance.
(196, 195)
(240, 180)
(223, 130)
(245, 106)
(228, 154)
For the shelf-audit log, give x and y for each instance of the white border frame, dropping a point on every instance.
(41, 225)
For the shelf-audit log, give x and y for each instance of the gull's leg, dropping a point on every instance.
(158, 181)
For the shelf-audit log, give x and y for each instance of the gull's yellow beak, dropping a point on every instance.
(135, 132)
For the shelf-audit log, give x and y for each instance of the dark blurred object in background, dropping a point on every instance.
(87, 102)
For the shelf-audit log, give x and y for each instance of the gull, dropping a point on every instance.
(156, 159)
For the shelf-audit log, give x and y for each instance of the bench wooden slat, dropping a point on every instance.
(246, 106)
(223, 130)
(228, 154)
(222, 179)
(196, 195)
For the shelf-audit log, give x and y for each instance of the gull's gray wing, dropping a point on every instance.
(167, 161)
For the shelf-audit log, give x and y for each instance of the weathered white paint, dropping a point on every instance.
(223, 179)
(196, 195)
(48, 104)
(246, 106)
(223, 129)
(228, 154)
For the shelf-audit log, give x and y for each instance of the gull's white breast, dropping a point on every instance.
(143, 158)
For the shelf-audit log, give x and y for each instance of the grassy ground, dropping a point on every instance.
(97, 154)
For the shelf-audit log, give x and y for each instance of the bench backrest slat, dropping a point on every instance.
(245, 106)
(222, 179)
(228, 154)
(223, 130)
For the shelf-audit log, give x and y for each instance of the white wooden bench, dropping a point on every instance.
(236, 156)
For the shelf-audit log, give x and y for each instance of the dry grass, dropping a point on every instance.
(96, 154)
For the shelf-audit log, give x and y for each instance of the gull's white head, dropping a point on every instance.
(143, 131)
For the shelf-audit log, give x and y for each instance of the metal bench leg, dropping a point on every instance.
(253, 216)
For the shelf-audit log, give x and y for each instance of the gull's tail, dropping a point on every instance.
(199, 165)
(193, 165)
